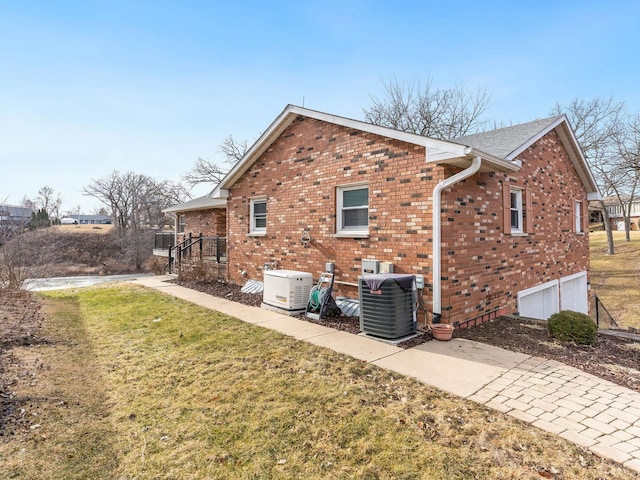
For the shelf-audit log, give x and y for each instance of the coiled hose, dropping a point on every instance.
(316, 297)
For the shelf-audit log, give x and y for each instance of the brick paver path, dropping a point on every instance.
(582, 408)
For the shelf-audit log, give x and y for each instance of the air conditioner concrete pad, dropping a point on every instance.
(390, 341)
(283, 311)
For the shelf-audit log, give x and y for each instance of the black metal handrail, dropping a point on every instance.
(176, 248)
(207, 248)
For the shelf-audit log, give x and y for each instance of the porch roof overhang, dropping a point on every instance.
(205, 202)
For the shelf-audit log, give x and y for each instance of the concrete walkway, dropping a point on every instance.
(584, 409)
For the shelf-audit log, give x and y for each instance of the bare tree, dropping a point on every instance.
(598, 126)
(13, 252)
(208, 171)
(12, 272)
(233, 150)
(73, 211)
(629, 169)
(136, 202)
(28, 203)
(439, 113)
(596, 122)
(49, 201)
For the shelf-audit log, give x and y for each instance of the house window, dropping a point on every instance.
(182, 221)
(353, 210)
(258, 216)
(578, 216)
(516, 211)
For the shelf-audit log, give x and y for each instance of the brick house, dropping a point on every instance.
(494, 221)
(14, 218)
(199, 234)
(618, 207)
(204, 215)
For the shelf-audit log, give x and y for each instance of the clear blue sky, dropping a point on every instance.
(91, 86)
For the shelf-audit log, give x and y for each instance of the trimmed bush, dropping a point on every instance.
(576, 327)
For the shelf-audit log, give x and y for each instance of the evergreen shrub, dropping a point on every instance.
(569, 326)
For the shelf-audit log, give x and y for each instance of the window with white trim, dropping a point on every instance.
(182, 221)
(516, 211)
(258, 216)
(578, 215)
(353, 210)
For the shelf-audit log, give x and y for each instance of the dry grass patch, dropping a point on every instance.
(170, 390)
(614, 278)
(63, 399)
(85, 228)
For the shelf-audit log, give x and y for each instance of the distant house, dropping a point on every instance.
(14, 217)
(616, 208)
(92, 219)
(496, 221)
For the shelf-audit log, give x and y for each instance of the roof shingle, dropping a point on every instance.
(504, 141)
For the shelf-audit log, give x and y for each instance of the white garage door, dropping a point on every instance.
(539, 302)
(573, 293)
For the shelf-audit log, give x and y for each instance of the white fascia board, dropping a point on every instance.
(536, 137)
(500, 163)
(579, 161)
(193, 205)
(277, 126)
(452, 149)
(570, 142)
(489, 162)
(441, 148)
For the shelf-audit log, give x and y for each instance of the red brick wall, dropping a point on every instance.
(299, 174)
(211, 223)
(483, 269)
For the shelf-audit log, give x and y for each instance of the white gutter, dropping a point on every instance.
(437, 231)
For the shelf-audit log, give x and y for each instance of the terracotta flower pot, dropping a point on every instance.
(441, 331)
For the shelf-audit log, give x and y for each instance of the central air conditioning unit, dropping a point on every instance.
(287, 289)
(387, 305)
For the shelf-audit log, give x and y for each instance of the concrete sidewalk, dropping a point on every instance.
(584, 409)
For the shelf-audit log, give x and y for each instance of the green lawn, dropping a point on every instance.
(138, 385)
(616, 278)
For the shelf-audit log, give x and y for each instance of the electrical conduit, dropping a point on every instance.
(437, 231)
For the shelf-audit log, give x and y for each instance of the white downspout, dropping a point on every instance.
(437, 230)
(175, 227)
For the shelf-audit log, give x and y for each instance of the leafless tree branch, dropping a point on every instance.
(439, 113)
(208, 171)
(136, 202)
(599, 127)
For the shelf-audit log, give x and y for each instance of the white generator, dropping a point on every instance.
(287, 289)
